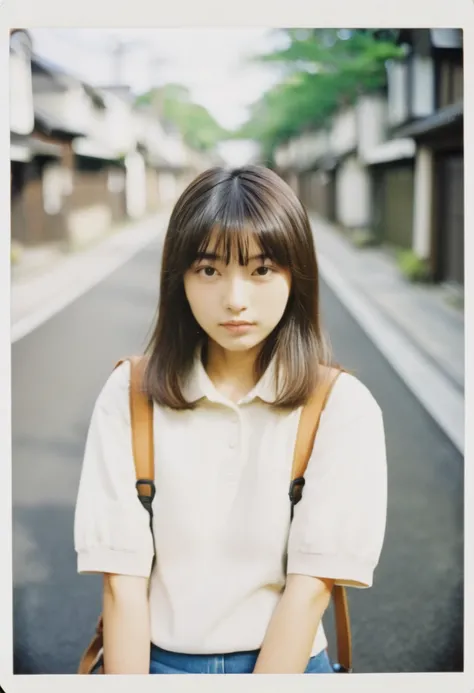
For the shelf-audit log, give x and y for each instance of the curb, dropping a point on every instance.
(431, 387)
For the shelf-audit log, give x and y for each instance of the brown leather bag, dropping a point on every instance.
(141, 409)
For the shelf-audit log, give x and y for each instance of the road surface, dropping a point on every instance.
(412, 618)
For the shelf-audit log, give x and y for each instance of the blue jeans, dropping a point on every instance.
(165, 662)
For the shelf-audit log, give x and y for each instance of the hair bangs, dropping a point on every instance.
(239, 221)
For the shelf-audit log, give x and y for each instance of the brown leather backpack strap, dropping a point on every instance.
(343, 628)
(309, 421)
(93, 651)
(306, 435)
(141, 413)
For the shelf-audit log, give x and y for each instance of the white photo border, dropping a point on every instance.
(212, 13)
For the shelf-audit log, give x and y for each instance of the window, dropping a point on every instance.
(450, 83)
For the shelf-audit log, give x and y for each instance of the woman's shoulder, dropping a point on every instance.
(350, 396)
(115, 390)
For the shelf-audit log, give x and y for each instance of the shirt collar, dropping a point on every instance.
(198, 385)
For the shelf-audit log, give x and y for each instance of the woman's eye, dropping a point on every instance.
(207, 271)
(263, 271)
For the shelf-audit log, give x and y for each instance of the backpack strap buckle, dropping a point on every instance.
(295, 492)
(147, 497)
(296, 489)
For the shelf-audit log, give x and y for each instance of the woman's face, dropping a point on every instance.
(237, 306)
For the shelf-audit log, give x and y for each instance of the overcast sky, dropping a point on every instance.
(211, 62)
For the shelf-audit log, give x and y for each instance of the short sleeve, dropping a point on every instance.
(339, 524)
(111, 527)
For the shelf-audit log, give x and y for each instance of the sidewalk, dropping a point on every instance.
(420, 334)
(46, 280)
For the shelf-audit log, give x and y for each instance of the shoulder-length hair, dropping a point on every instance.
(251, 201)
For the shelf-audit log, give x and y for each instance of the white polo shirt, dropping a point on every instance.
(222, 512)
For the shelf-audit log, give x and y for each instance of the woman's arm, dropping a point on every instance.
(338, 527)
(126, 620)
(290, 635)
(112, 534)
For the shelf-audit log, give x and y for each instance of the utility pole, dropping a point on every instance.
(121, 48)
(154, 65)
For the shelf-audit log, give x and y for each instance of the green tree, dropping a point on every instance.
(173, 105)
(321, 70)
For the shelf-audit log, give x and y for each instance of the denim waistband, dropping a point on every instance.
(165, 662)
(228, 663)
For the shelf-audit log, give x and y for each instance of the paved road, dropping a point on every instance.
(410, 621)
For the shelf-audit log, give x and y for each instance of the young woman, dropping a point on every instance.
(235, 354)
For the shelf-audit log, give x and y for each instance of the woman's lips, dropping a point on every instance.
(238, 327)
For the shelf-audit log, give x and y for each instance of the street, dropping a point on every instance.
(412, 618)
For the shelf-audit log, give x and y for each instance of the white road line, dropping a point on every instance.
(91, 268)
(437, 394)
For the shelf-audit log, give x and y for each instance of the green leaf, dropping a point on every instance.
(172, 104)
(321, 68)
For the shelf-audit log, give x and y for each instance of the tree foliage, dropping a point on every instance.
(173, 105)
(321, 69)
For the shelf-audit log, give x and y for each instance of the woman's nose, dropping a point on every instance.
(236, 298)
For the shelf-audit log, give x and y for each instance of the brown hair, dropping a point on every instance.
(251, 200)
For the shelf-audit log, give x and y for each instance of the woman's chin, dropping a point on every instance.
(237, 342)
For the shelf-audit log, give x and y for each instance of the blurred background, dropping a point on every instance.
(366, 125)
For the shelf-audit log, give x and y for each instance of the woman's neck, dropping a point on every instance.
(232, 372)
